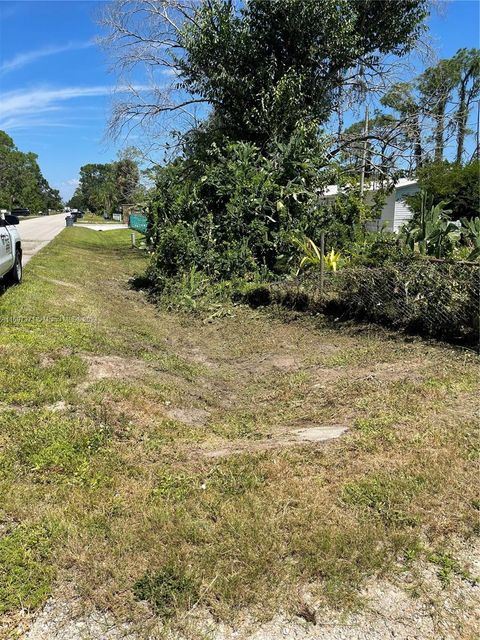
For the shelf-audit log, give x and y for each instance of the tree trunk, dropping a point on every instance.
(439, 131)
(462, 116)
(417, 148)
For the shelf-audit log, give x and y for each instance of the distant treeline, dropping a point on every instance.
(21, 181)
(103, 187)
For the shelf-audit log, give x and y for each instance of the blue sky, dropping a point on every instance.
(56, 89)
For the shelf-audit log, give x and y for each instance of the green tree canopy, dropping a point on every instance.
(103, 187)
(277, 63)
(21, 181)
(458, 186)
(264, 66)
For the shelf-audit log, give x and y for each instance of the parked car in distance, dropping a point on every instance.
(20, 212)
(10, 249)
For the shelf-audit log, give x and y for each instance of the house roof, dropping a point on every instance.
(333, 190)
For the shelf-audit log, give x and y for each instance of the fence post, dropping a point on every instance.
(322, 262)
(132, 236)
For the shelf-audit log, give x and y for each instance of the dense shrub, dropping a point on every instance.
(177, 249)
(343, 221)
(233, 212)
(456, 185)
(375, 249)
(438, 299)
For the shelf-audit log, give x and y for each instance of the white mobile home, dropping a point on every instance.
(395, 211)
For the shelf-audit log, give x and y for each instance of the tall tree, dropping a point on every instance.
(21, 181)
(95, 188)
(10, 171)
(126, 178)
(436, 85)
(467, 62)
(401, 98)
(104, 186)
(265, 67)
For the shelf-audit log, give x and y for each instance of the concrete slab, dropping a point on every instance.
(320, 433)
(103, 227)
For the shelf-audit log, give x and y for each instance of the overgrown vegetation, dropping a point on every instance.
(431, 231)
(240, 200)
(233, 212)
(438, 300)
(249, 176)
(456, 185)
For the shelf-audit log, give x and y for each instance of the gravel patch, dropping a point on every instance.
(416, 606)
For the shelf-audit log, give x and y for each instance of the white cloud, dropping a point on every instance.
(22, 108)
(24, 59)
(67, 188)
(28, 122)
(40, 100)
(170, 72)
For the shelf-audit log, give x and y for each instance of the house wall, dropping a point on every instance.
(395, 211)
(402, 212)
(387, 217)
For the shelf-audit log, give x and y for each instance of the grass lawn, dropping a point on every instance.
(153, 456)
(91, 218)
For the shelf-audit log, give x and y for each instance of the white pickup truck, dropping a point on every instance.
(10, 249)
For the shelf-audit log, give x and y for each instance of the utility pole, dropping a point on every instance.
(364, 154)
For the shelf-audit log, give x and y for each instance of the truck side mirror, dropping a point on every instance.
(12, 220)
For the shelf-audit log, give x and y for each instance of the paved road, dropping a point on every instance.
(38, 232)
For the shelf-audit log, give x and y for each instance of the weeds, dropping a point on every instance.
(387, 496)
(26, 572)
(155, 508)
(448, 567)
(167, 591)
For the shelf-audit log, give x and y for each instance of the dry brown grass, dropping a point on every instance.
(172, 446)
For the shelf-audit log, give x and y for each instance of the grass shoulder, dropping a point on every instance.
(163, 447)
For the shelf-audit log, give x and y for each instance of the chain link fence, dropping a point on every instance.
(431, 297)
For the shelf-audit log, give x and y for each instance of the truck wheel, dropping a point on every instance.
(14, 276)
